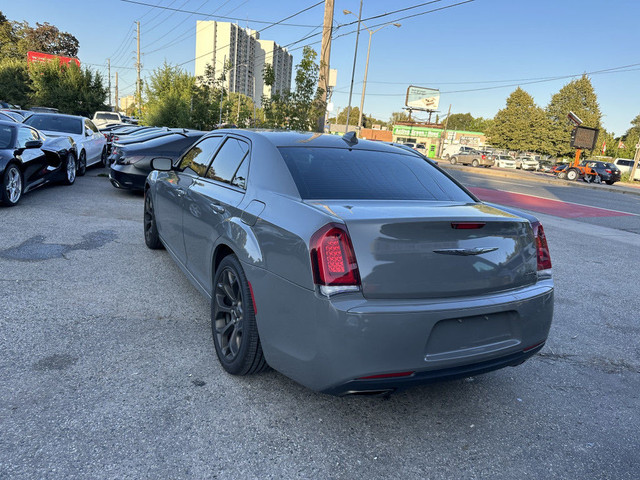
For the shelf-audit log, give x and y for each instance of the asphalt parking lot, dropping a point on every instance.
(108, 371)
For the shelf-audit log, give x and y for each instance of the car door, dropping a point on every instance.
(98, 140)
(90, 142)
(34, 165)
(171, 188)
(211, 203)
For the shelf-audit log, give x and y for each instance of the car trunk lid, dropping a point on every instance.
(416, 249)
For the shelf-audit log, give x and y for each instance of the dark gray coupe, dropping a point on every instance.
(349, 266)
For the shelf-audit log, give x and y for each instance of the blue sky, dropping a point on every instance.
(477, 45)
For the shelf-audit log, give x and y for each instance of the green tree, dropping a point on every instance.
(397, 117)
(630, 139)
(353, 116)
(14, 78)
(68, 88)
(17, 38)
(169, 93)
(579, 97)
(520, 126)
(300, 109)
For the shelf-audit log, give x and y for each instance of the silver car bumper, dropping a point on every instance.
(329, 344)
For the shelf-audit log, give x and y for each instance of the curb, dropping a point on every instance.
(549, 179)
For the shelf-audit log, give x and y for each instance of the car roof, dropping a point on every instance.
(280, 138)
(55, 115)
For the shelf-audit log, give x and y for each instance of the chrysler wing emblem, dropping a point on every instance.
(465, 251)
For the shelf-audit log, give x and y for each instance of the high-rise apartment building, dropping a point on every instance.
(246, 54)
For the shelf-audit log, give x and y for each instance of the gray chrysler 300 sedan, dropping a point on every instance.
(349, 266)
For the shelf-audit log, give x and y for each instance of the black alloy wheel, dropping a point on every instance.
(11, 185)
(82, 164)
(233, 321)
(104, 158)
(151, 237)
(70, 170)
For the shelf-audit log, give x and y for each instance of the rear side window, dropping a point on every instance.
(198, 158)
(6, 136)
(337, 173)
(228, 160)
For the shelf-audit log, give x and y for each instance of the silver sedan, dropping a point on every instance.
(349, 266)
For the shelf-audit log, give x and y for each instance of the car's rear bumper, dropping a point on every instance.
(127, 177)
(330, 344)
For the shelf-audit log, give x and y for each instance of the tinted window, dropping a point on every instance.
(198, 158)
(240, 178)
(107, 116)
(56, 123)
(337, 173)
(6, 134)
(228, 160)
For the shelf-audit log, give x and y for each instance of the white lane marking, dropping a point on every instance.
(570, 203)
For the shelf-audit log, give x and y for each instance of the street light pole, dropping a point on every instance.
(355, 56)
(366, 68)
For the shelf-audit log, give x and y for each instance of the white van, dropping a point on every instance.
(625, 165)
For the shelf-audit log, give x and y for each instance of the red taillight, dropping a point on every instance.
(467, 225)
(387, 375)
(484, 157)
(608, 171)
(542, 249)
(332, 257)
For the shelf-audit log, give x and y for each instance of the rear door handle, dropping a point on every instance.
(217, 208)
(181, 192)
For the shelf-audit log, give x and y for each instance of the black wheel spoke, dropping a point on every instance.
(221, 305)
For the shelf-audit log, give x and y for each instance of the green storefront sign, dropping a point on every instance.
(417, 132)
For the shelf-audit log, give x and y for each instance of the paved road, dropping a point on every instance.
(608, 208)
(108, 371)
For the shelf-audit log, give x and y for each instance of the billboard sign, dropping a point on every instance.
(584, 137)
(420, 98)
(39, 57)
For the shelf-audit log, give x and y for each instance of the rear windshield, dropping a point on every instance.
(340, 173)
(108, 116)
(56, 123)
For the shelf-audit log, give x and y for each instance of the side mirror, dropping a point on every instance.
(162, 164)
(33, 144)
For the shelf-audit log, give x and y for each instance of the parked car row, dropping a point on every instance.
(29, 159)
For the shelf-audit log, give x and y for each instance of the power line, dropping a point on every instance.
(188, 33)
(620, 69)
(279, 22)
(237, 19)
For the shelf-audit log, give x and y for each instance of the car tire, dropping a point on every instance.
(572, 174)
(233, 321)
(151, 237)
(70, 170)
(453, 160)
(446, 157)
(475, 163)
(104, 158)
(12, 185)
(609, 182)
(562, 175)
(82, 164)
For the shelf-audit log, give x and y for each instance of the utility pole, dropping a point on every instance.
(138, 85)
(443, 137)
(353, 70)
(325, 54)
(635, 162)
(109, 70)
(117, 102)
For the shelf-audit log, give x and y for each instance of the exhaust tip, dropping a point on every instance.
(371, 393)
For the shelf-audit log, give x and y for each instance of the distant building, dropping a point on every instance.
(242, 49)
(126, 102)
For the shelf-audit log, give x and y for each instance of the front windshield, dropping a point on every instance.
(56, 123)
